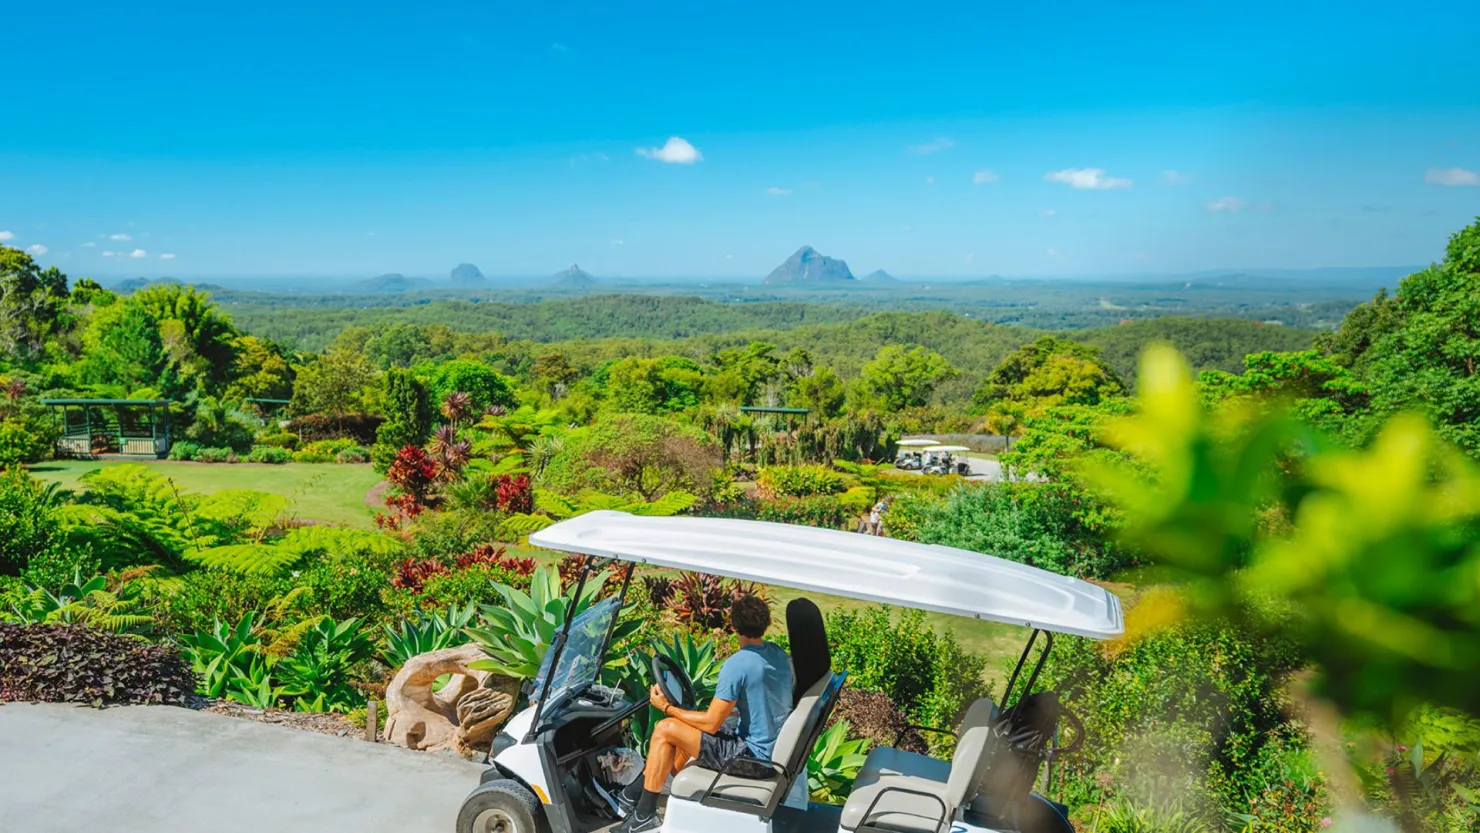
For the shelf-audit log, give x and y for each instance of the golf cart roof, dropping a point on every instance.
(950, 448)
(915, 442)
(924, 576)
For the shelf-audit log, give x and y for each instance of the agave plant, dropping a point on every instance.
(225, 656)
(517, 635)
(551, 507)
(320, 665)
(833, 764)
(426, 632)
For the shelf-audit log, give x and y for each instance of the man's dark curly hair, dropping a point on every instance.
(750, 616)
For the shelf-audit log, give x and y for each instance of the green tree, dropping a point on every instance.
(122, 348)
(739, 374)
(408, 411)
(28, 528)
(199, 340)
(819, 391)
(261, 371)
(1430, 357)
(31, 304)
(484, 385)
(552, 371)
(334, 383)
(650, 386)
(1047, 372)
(901, 376)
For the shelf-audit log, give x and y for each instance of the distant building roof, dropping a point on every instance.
(150, 402)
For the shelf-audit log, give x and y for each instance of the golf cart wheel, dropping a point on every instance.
(501, 807)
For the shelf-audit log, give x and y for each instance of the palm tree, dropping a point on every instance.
(457, 406)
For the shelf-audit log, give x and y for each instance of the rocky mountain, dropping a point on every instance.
(573, 278)
(878, 276)
(808, 265)
(393, 282)
(466, 274)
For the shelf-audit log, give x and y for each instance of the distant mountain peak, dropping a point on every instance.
(807, 265)
(573, 277)
(466, 273)
(879, 276)
(389, 282)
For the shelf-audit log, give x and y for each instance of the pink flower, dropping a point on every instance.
(1325, 822)
(1402, 748)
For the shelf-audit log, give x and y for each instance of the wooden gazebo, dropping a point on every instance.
(96, 427)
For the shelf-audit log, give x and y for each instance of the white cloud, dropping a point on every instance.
(676, 151)
(561, 48)
(929, 180)
(778, 192)
(109, 254)
(1053, 253)
(36, 249)
(138, 253)
(1451, 176)
(1227, 205)
(617, 241)
(1170, 177)
(89, 245)
(983, 177)
(1047, 212)
(938, 143)
(167, 256)
(1091, 178)
(119, 236)
(7, 235)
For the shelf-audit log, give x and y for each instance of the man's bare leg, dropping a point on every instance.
(674, 743)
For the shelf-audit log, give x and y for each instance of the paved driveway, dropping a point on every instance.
(162, 769)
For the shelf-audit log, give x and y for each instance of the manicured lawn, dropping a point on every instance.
(328, 492)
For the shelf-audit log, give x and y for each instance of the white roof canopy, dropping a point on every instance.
(950, 448)
(915, 442)
(924, 576)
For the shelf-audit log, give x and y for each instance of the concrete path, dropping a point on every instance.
(162, 769)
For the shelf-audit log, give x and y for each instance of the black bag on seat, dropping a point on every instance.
(1024, 733)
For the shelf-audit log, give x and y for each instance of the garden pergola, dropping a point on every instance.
(130, 427)
(789, 419)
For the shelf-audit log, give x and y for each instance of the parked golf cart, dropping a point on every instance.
(946, 459)
(909, 456)
(545, 772)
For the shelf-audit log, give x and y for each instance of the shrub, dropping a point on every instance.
(637, 454)
(27, 526)
(75, 664)
(215, 455)
(1033, 523)
(702, 601)
(330, 447)
(874, 717)
(312, 457)
(24, 442)
(216, 425)
(319, 669)
(346, 585)
(1193, 706)
(278, 439)
(412, 573)
(799, 481)
(358, 427)
(268, 454)
(927, 675)
(355, 454)
(184, 450)
(825, 511)
(204, 596)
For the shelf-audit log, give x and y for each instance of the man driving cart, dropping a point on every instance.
(755, 685)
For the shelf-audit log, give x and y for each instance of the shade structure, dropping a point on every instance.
(924, 576)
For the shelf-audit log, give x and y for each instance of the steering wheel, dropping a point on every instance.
(1059, 748)
(673, 681)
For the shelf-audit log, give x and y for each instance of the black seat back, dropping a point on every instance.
(810, 657)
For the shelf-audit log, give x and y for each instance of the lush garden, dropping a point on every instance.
(1298, 544)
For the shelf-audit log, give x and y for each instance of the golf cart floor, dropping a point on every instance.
(815, 819)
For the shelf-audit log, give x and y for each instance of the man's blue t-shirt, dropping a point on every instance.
(757, 678)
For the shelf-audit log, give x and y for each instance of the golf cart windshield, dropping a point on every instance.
(579, 662)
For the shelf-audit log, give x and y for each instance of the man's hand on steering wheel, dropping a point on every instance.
(657, 698)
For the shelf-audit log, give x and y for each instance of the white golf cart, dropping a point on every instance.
(544, 774)
(909, 457)
(946, 459)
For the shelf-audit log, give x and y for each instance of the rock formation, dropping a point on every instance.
(462, 717)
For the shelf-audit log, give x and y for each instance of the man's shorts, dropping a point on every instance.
(719, 750)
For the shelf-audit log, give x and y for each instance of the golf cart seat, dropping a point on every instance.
(914, 798)
(815, 694)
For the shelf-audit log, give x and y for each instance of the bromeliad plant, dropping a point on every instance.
(697, 659)
(235, 662)
(517, 635)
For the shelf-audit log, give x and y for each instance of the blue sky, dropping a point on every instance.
(942, 139)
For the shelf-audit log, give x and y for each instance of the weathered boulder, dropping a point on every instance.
(462, 717)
